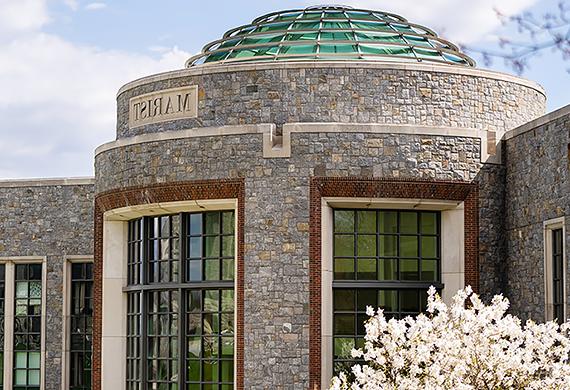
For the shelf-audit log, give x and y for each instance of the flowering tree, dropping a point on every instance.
(467, 345)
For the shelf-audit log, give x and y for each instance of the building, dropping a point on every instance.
(253, 203)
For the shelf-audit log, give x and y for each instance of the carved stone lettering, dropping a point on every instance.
(161, 106)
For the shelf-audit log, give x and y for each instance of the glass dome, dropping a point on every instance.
(330, 33)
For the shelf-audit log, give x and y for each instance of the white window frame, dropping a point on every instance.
(548, 227)
(115, 250)
(9, 302)
(452, 256)
(66, 318)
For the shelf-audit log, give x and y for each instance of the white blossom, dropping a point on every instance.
(466, 346)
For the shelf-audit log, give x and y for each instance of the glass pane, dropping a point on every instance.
(227, 300)
(211, 300)
(388, 300)
(343, 347)
(366, 245)
(344, 245)
(194, 348)
(227, 347)
(194, 370)
(21, 360)
(34, 360)
(409, 269)
(228, 246)
(360, 321)
(344, 269)
(429, 270)
(227, 369)
(212, 246)
(344, 324)
(410, 301)
(210, 368)
(388, 269)
(228, 269)
(21, 289)
(34, 377)
(364, 298)
(20, 377)
(366, 269)
(195, 224)
(388, 246)
(429, 247)
(366, 221)
(195, 247)
(195, 270)
(388, 222)
(212, 269)
(35, 289)
(228, 224)
(212, 223)
(344, 300)
(227, 323)
(211, 323)
(344, 221)
(408, 222)
(409, 246)
(429, 223)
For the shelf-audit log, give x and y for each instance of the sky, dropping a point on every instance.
(62, 62)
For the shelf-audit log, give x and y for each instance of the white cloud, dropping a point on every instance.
(95, 6)
(59, 99)
(73, 4)
(19, 16)
(459, 21)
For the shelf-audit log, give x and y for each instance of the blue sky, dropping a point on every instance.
(62, 62)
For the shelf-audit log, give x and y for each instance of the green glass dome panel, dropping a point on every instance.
(330, 33)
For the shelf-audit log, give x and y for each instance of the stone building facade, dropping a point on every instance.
(284, 150)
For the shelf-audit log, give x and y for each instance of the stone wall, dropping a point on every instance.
(390, 94)
(49, 220)
(277, 211)
(536, 190)
(277, 216)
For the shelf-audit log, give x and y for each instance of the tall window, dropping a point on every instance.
(27, 326)
(81, 318)
(2, 312)
(180, 302)
(382, 258)
(558, 275)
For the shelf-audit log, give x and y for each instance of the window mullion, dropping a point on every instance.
(181, 305)
(10, 294)
(143, 303)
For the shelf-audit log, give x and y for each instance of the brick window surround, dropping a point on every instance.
(355, 187)
(162, 193)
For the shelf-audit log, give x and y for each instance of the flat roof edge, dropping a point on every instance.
(540, 121)
(47, 182)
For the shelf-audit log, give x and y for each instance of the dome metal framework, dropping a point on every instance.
(330, 33)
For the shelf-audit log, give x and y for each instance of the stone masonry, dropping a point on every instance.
(54, 220)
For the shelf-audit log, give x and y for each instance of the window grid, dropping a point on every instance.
(81, 318)
(161, 292)
(210, 335)
(558, 276)
(163, 248)
(135, 251)
(2, 313)
(162, 339)
(134, 329)
(382, 258)
(27, 327)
